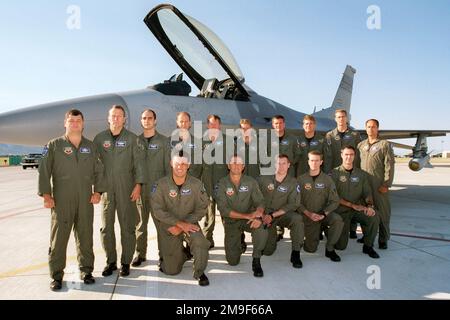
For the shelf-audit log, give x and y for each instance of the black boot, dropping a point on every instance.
(56, 285)
(332, 255)
(203, 280)
(137, 261)
(256, 266)
(88, 279)
(125, 270)
(369, 250)
(295, 259)
(109, 269)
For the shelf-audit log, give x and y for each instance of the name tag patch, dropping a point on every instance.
(282, 189)
(85, 150)
(243, 189)
(121, 144)
(186, 192)
(153, 147)
(354, 179)
(314, 143)
(320, 185)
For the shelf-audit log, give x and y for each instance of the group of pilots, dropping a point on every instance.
(313, 184)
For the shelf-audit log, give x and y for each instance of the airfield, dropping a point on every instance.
(416, 265)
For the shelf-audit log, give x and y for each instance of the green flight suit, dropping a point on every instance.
(192, 149)
(157, 162)
(283, 195)
(214, 168)
(378, 161)
(319, 195)
(337, 141)
(123, 158)
(244, 199)
(317, 143)
(354, 187)
(250, 154)
(73, 173)
(171, 204)
(287, 145)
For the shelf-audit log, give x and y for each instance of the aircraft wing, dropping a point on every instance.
(405, 134)
(420, 155)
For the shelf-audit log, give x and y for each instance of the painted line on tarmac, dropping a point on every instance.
(418, 237)
(20, 213)
(20, 271)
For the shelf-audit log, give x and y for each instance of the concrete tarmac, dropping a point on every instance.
(415, 266)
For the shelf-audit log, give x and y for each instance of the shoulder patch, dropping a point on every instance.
(230, 192)
(299, 189)
(68, 150)
(173, 193)
(45, 151)
(154, 187)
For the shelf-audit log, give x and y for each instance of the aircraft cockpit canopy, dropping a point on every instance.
(199, 52)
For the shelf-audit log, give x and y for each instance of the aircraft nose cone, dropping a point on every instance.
(26, 126)
(35, 126)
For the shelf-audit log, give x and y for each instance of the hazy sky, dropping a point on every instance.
(293, 52)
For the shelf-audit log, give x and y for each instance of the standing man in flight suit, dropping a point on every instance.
(247, 149)
(157, 163)
(214, 169)
(318, 201)
(72, 163)
(338, 138)
(186, 142)
(179, 202)
(356, 201)
(246, 146)
(310, 140)
(282, 196)
(377, 159)
(123, 158)
(241, 205)
(286, 143)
